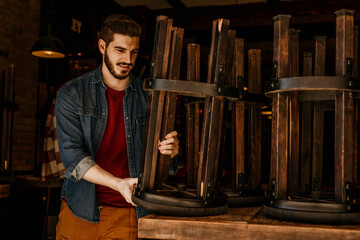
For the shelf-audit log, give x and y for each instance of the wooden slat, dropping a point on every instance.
(167, 50)
(279, 145)
(214, 119)
(230, 59)
(254, 71)
(306, 134)
(306, 117)
(177, 35)
(356, 104)
(307, 64)
(343, 105)
(239, 159)
(200, 185)
(318, 121)
(158, 106)
(193, 62)
(239, 58)
(190, 113)
(344, 117)
(229, 80)
(356, 52)
(318, 143)
(217, 60)
(196, 140)
(209, 138)
(320, 53)
(220, 129)
(175, 53)
(356, 141)
(344, 39)
(254, 81)
(213, 109)
(197, 114)
(193, 115)
(294, 52)
(280, 118)
(239, 116)
(294, 143)
(155, 103)
(281, 45)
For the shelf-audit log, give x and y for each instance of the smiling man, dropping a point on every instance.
(100, 124)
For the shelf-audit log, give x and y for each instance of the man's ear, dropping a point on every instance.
(102, 45)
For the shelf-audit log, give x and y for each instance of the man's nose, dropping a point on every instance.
(127, 57)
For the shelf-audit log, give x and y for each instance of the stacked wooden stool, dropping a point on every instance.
(298, 105)
(201, 196)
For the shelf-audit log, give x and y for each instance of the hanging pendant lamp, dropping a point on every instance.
(48, 47)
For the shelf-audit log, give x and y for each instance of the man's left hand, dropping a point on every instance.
(170, 146)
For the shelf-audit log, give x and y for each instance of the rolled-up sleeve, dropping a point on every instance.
(70, 136)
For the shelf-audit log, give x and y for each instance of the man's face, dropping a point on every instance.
(120, 55)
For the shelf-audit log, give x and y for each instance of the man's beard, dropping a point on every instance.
(111, 68)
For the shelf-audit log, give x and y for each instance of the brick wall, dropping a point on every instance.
(19, 29)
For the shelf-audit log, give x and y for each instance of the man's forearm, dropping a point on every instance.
(99, 176)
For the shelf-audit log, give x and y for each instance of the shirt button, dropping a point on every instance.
(129, 136)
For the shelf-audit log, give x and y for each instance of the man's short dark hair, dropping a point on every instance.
(119, 23)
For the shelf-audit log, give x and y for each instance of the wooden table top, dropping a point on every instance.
(239, 223)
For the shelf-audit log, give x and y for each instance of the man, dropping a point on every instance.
(100, 123)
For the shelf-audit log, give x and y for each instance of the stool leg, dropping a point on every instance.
(279, 144)
(318, 142)
(344, 119)
(170, 100)
(254, 81)
(306, 116)
(155, 103)
(294, 149)
(239, 118)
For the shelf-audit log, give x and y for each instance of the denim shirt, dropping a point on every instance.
(81, 113)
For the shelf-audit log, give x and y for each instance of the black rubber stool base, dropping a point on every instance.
(182, 207)
(311, 212)
(247, 198)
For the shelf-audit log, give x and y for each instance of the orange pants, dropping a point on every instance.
(115, 223)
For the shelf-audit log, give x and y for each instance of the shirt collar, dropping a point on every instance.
(97, 77)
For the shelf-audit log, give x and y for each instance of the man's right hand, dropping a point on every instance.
(99, 176)
(126, 186)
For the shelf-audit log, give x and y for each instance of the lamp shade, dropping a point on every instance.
(48, 47)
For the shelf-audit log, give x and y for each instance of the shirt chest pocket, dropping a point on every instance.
(138, 130)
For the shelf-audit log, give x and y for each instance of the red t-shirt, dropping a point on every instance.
(112, 153)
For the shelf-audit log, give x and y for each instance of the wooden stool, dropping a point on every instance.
(291, 169)
(246, 185)
(153, 192)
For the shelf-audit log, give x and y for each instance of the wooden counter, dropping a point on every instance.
(36, 182)
(239, 223)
